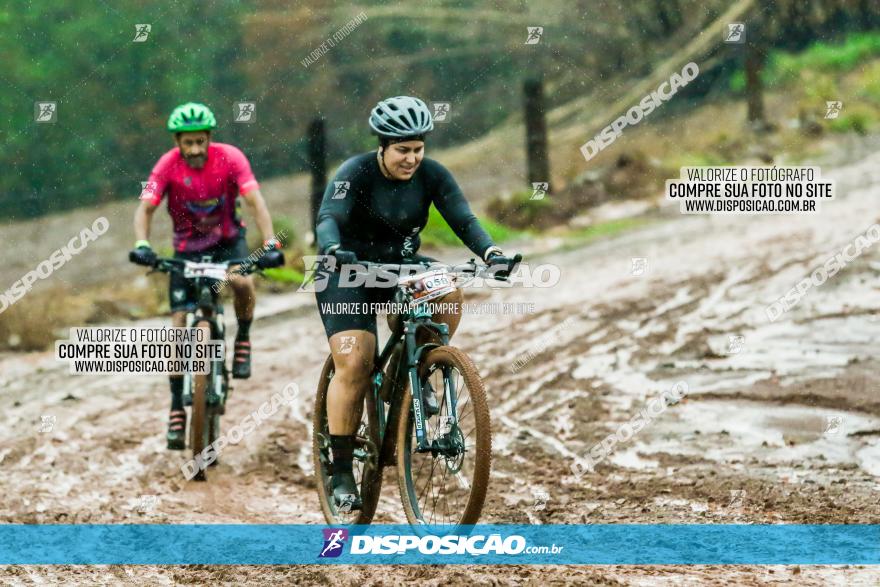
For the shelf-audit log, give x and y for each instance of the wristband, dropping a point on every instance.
(490, 250)
(272, 243)
(142, 243)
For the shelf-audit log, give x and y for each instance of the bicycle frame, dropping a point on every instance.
(419, 318)
(415, 319)
(208, 309)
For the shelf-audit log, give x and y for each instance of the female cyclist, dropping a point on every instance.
(374, 210)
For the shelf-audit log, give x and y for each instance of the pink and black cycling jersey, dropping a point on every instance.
(202, 202)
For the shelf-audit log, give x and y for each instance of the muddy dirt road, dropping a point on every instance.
(781, 423)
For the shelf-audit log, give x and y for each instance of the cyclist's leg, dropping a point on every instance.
(351, 332)
(243, 290)
(353, 352)
(451, 316)
(245, 295)
(245, 299)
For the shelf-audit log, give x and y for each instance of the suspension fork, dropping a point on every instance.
(413, 356)
(451, 400)
(416, 387)
(378, 379)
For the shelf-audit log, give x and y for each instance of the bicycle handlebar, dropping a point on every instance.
(471, 268)
(170, 265)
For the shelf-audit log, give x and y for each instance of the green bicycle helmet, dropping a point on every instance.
(191, 116)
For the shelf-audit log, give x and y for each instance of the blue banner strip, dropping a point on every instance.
(269, 544)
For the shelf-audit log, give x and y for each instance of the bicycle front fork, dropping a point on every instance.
(413, 357)
(216, 392)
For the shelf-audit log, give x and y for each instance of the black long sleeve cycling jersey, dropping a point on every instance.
(380, 219)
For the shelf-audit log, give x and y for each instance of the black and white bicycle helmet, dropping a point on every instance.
(400, 117)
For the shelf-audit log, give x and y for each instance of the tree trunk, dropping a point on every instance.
(317, 165)
(538, 169)
(756, 55)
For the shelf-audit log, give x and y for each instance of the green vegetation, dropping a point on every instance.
(856, 121)
(870, 86)
(438, 234)
(284, 230)
(825, 57)
(605, 229)
(283, 275)
(114, 94)
(784, 67)
(826, 71)
(703, 159)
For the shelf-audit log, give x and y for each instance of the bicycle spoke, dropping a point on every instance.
(443, 484)
(430, 482)
(463, 482)
(434, 504)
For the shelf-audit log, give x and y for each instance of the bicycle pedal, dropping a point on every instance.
(347, 503)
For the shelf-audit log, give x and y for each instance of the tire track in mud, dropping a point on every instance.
(103, 443)
(752, 423)
(676, 336)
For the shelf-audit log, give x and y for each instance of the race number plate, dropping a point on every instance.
(192, 269)
(429, 285)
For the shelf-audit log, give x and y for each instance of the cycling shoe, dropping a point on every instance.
(345, 492)
(176, 430)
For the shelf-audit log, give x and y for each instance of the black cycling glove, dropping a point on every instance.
(143, 254)
(273, 258)
(501, 266)
(344, 257)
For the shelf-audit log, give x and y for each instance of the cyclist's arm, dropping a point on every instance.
(452, 205)
(151, 196)
(257, 207)
(143, 218)
(334, 211)
(249, 189)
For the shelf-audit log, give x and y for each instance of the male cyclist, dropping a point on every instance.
(202, 181)
(374, 210)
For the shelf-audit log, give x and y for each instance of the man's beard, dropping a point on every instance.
(197, 161)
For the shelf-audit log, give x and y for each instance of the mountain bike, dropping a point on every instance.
(443, 459)
(205, 393)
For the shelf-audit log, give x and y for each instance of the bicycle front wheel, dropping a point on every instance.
(446, 485)
(199, 417)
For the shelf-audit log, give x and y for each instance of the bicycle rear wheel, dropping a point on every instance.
(367, 473)
(447, 485)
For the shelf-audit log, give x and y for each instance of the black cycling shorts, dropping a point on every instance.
(347, 308)
(182, 292)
